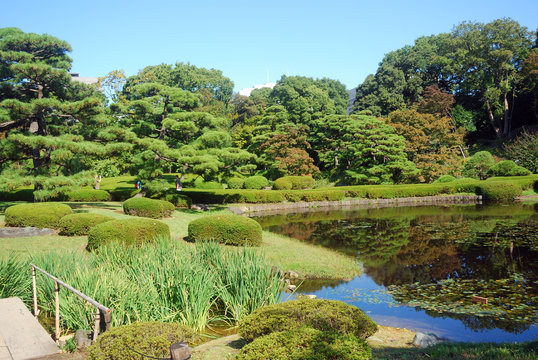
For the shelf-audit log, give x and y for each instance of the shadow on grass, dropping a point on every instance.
(79, 205)
(212, 209)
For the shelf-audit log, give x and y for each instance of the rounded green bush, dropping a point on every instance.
(81, 223)
(478, 165)
(226, 229)
(306, 343)
(235, 183)
(297, 182)
(127, 231)
(444, 179)
(86, 195)
(324, 315)
(519, 171)
(256, 182)
(145, 207)
(283, 184)
(40, 215)
(498, 191)
(149, 338)
(502, 168)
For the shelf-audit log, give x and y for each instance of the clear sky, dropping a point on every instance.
(338, 39)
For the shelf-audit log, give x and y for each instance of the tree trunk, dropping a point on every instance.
(492, 119)
(506, 128)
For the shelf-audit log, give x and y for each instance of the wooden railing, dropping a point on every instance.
(102, 313)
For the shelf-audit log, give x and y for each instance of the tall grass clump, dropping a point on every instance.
(15, 279)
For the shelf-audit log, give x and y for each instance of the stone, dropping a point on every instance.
(291, 288)
(9, 232)
(180, 351)
(277, 271)
(292, 275)
(83, 338)
(422, 340)
(311, 296)
(202, 207)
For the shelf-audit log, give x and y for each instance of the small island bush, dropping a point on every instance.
(306, 343)
(283, 183)
(324, 315)
(80, 223)
(478, 165)
(40, 215)
(502, 168)
(86, 195)
(226, 229)
(235, 183)
(127, 231)
(145, 207)
(256, 182)
(444, 179)
(498, 191)
(149, 338)
(519, 171)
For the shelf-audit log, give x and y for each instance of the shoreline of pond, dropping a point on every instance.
(271, 209)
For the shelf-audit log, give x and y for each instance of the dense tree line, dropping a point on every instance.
(413, 120)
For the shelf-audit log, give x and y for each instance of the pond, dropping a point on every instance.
(423, 265)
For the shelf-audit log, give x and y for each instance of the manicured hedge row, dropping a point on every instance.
(498, 191)
(86, 195)
(122, 193)
(81, 223)
(17, 195)
(294, 183)
(40, 215)
(145, 207)
(127, 231)
(324, 315)
(226, 229)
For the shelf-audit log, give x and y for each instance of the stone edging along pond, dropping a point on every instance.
(357, 203)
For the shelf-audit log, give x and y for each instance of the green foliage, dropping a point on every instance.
(297, 182)
(86, 195)
(123, 193)
(524, 151)
(14, 281)
(178, 200)
(128, 232)
(207, 185)
(498, 191)
(256, 182)
(80, 223)
(44, 215)
(444, 179)
(306, 343)
(519, 171)
(324, 315)
(17, 195)
(478, 165)
(502, 168)
(315, 195)
(226, 229)
(140, 206)
(149, 338)
(235, 183)
(283, 183)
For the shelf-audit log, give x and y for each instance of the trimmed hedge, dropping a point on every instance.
(297, 183)
(123, 193)
(306, 343)
(226, 229)
(324, 315)
(256, 183)
(80, 223)
(519, 171)
(127, 231)
(17, 195)
(86, 195)
(149, 338)
(178, 200)
(40, 215)
(207, 185)
(444, 179)
(145, 207)
(498, 191)
(235, 183)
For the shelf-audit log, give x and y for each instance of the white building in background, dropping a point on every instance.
(82, 79)
(247, 91)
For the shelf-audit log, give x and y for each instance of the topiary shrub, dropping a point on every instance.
(145, 207)
(178, 200)
(478, 165)
(297, 182)
(226, 229)
(127, 231)
(17, 195)
(306, 343)
(81, 223)
(207, 185)
(256, 182)
(235, 183)
(123, 193)
(283, 183)
(149, 338)
(324, 315)
(498, 191)
(86, 195)
(519, 171)
(444, 179)
(42, 215)
(502, 168)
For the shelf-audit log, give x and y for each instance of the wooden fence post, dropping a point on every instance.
(57, 291)
(96, 324)
(34, 286)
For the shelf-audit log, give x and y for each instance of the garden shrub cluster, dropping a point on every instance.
(17, 195)
(294, 183)
(498, 191)
(145, 207)
(127, 231)
(86, 195)
(122, 193)
(478, 165)
(235, 183)
(324, 315)
(207, 185)
(256, 183)
(507, 168)
(149, 338)
(444, 179)
(306, 343)
(226, 229)
(80, 223)
(178, 200)
(40, 215)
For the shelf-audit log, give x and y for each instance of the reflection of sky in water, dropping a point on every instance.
(378, 305)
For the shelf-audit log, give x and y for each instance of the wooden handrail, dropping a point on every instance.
(102, 314)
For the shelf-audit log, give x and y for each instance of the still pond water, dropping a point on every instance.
(422, 265)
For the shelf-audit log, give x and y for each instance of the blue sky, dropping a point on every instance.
(343, 40)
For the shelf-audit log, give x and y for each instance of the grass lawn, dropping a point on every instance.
(285, 253)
